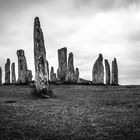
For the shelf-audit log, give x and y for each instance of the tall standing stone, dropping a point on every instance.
(41, 65)
(62, 64)
(114, 72)
(22, 67)
(107, 69)
(7, 71)
(0, 76)
(98, 71)
(70, 71)
(13, 78)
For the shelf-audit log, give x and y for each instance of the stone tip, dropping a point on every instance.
(115, 59)
(106, 60)
(8, 59)
(36, 21)
(77, 69)
(100, 56)
(64, 48)
(20, 52)
(70, 53)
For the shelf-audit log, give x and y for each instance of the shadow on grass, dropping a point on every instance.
(45, 93)
(10, 101)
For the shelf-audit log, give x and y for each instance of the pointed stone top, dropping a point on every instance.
(77, 69)
(70, 53)
(8, 60)
(115, 60)
(36, 21)
(100, 58)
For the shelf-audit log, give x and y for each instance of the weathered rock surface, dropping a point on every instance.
(52, 75)
(114, 72)
(107, 69)
(41, 65)
(22, 67)
(70, 76)
(0, 76)
(7, 71)
(98, 71)
(13, 78)
(62, 64)
(76, 75)
(29, 76)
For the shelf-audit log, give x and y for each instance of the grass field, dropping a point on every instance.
(75, 112)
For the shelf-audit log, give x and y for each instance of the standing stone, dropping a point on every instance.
(70, 71)
(114, 72)
(76, 75)
(7, 71)
(62, 64)
(41, 65)
(0, 76)
(52, 75)
(29, 76)
(98, 71)
(13, 79)
(107, 68)
(47, 69)
(22, 67)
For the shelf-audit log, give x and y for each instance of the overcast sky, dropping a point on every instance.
(85, 27)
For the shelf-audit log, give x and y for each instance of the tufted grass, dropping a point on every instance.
(74, 112)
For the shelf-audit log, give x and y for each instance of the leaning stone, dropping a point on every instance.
(7, 71)
(22, 67)
(62, 64)
(41, 65)
(107, 69)
(0, 76)
(13, 73)
(114, 72)
(98, 71)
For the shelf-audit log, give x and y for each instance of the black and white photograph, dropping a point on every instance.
(69, 69)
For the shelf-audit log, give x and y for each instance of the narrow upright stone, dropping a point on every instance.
(29, 76)
(0, 76)
(13, 78)
(7, 71)
(98, 71)
(22, 67)
(107, 69)
(70, 71)
(62, 64)
(52, 75)
(41, 65)
(76, 75)
(114, 72)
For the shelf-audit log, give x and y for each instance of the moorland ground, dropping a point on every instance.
(75, 112)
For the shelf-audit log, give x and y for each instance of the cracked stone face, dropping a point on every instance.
(41, 64)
